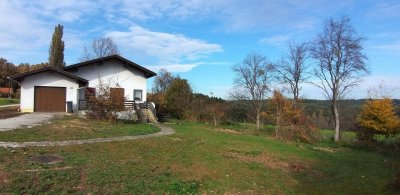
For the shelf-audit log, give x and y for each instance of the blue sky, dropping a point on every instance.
(200, 40)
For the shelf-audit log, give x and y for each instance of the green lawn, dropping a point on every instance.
(201, 159)
(72, 128)
(5, 101)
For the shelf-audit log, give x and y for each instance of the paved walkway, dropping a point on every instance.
(164, 131)
(9, 105)
(25, 120)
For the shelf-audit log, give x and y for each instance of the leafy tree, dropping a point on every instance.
(378, 117)
(159, 100)
(216, 111)
(340, 62)
(23, 67)
(285, 113)
(56, 51)
(253, 77)
(290, 121)
(101, 47)
(208, 109)
(178, 97)
(162, 81)
(6, 69)
(160, 85)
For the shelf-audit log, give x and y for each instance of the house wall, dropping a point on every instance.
(116, 74)
(50, 79)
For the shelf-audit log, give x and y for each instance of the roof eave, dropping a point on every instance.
(19, 77)
(148, 73)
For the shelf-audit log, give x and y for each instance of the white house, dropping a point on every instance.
(48, 89)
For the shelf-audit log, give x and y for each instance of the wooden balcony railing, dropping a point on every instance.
(82, 105)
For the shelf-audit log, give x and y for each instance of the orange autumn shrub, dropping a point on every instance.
(377, 117)
(290, 121)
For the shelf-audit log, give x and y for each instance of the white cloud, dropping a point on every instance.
(62, 11)
(26, 26)
(186, 67)
(393, 47)
(385, 9)
(277, 40)
(166, 9)
(175, 67)
(233, 14)
(17, 28)
(167, 48)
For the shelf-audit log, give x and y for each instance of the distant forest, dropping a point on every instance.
(317, 111)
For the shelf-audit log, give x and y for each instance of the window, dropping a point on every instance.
(90, 92)
(137, 94)
(86, 92)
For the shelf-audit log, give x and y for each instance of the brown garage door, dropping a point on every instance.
(50, 99)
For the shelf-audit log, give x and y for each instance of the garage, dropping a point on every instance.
(48, 89)
(50, 99)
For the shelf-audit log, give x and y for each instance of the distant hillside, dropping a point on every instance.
(318, 112)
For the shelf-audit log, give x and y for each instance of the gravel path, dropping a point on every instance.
(164, 131)
(26, 120)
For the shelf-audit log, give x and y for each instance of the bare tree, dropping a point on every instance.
(162, 81)
(101, 47)
(340, 62)
(293, 67)
(253, 77)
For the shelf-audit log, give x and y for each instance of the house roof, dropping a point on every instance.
(148, 73)
(19, 77)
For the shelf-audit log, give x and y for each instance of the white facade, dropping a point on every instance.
(115, 74)
(49, 79)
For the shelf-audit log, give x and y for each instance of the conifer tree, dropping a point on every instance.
(56, 51)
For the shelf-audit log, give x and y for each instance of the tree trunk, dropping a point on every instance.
(262, 123)
(258, 121)
(215, 121)
(336, 120)
(278, 121)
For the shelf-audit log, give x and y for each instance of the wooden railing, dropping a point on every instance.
(82, 104)
(130, 104)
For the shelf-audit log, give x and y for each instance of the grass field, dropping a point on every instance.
(202, 159)
(72, 128)
(5, 101)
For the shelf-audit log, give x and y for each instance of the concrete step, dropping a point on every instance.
(146, 115)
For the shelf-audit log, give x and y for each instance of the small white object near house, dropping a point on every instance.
(49, 89)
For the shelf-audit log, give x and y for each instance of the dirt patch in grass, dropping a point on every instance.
(272, 162)
(177, 139)
(65, 127)
(3, 177)
(82, 186)
(49, 169)
(9, 112)
(194, 172)
(323, 149)
(230, 131)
